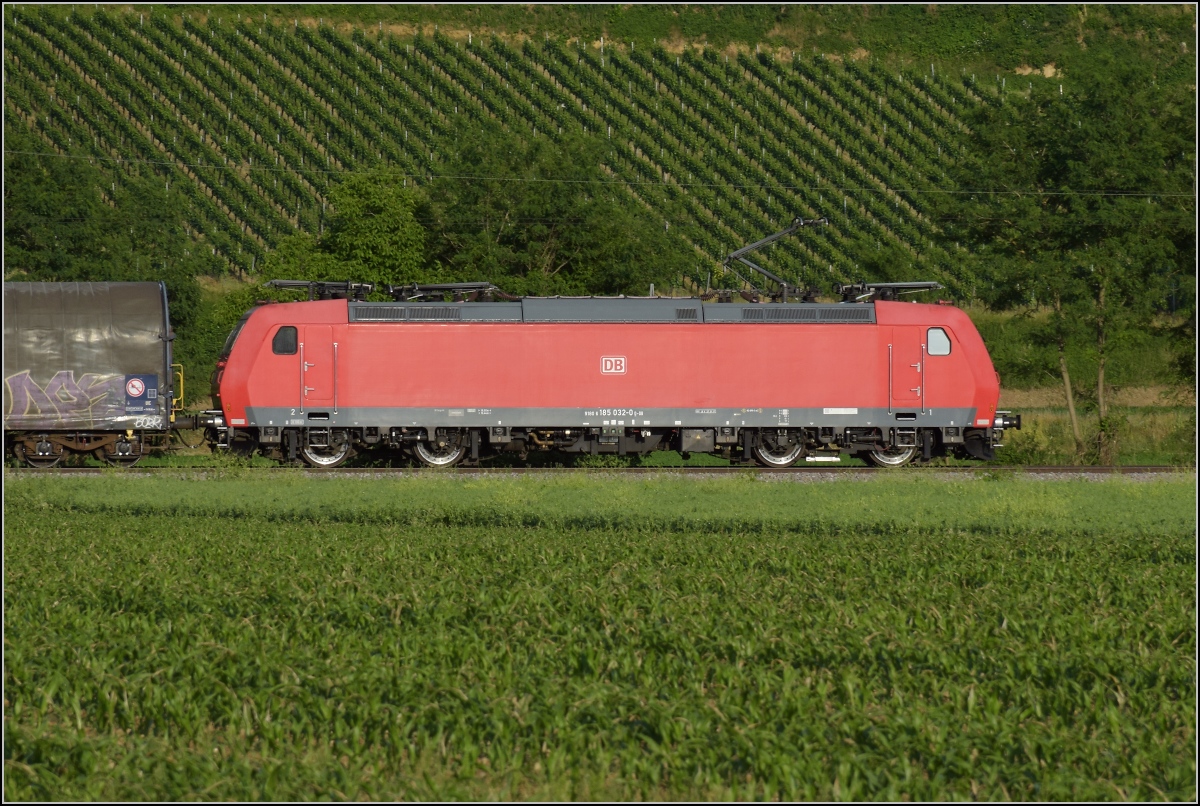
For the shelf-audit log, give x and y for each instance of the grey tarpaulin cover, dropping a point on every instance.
(86, 356)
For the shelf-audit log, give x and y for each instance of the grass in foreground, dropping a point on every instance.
(224, 636)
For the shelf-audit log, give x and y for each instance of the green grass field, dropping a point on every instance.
(234, 635)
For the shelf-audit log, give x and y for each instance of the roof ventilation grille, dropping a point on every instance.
(440, 312)
(380, 313)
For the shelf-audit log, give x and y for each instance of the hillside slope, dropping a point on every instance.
(251, 114)
(253, 122)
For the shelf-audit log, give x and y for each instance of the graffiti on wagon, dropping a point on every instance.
(63, 401)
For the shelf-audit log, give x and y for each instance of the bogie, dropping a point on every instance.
(891, 457)
(42, 454)
(778, 450)
(326, 449)
(445, 449)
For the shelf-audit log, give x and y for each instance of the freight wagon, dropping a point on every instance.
(87, 369)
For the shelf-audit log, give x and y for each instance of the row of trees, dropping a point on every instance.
(531, 215)
(1082, 204)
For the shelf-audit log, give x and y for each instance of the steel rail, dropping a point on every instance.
(1066, 470)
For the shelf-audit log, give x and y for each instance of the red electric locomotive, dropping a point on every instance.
(773, 382)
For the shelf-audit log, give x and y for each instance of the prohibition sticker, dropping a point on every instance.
(141, 394)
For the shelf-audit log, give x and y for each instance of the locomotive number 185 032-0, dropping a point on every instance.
(614, 413)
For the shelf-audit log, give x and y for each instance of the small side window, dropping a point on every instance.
(938, 342)
(284, 342)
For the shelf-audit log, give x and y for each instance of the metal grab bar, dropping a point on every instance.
(177, 400)
(889, 379)
(924, 378)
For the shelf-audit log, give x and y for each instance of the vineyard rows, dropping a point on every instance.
(256, 122)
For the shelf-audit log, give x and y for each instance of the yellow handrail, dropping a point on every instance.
(177, 402)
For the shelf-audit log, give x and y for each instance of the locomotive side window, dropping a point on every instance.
(284, 342)
(938, 341)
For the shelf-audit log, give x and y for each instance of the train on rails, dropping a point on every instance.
(451, 381)
(451, 373)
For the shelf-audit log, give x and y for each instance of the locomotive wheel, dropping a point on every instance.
(772, 455)
(432, 456)
(893, 457)
(334, 455)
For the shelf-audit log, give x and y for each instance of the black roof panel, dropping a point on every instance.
(611, 309)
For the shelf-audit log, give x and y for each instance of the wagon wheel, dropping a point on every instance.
(113, 455)
(448, 454)
(326, 457)
(770, 454)
(33, 460)
(892, 457)
(118, 460)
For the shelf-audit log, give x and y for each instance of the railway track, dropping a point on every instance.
(1070, 470)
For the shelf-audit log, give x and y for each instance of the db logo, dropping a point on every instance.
(612, 365)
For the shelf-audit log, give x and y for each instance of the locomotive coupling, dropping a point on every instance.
(1005, 419)
(194, 422)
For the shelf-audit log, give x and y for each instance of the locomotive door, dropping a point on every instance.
(318, 368)
(907, 370)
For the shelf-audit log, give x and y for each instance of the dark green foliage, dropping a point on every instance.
(1025, 354)
(1067, 185)
(374, 233)
(373, 236)
(1080, 201)
(538, 216)
(294, 638)
(1183, 336)
(304, 257)
(56, 225)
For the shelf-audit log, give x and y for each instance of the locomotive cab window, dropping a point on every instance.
(284, 342)
(938, 342)
(237, 329)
